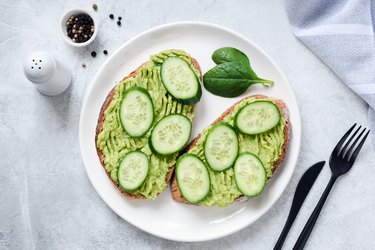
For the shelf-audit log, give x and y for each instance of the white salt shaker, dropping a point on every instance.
(49, 76)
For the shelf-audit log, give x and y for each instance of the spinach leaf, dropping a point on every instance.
(229, 79)
(232, 75)
(228, 54)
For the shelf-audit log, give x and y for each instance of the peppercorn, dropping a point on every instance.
(105, 52)
(93, 54)
(80, 28)
(111, 16)
(119, 18)
(119, 23)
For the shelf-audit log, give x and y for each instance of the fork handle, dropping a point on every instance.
(303, 237)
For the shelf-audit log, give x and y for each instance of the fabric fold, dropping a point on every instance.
(341, 34)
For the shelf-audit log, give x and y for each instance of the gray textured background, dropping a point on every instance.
(46, 200)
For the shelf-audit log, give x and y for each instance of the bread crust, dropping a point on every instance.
(99, 128)
(176, 194)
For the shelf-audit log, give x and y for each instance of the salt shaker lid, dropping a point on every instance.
(39, 66)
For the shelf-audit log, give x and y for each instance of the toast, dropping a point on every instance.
(102, 119)
(176, 194)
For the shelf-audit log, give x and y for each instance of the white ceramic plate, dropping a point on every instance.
(164, 217)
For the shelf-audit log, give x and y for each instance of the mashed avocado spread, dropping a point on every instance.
(115, 143)
(266, 146)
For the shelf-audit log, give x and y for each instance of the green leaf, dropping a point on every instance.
(229, 79)
(228, 54)
(232, 75)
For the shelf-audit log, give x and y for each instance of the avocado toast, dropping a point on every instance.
(267, 148)
(135, 120)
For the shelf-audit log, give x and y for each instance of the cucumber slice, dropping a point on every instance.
(133, 170)
(249, 174)
(136, 111)
(257, 117)
(170, 134)
(180, 81)
(193, 178)
(221, 147)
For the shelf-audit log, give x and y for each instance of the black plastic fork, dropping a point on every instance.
(340, 162)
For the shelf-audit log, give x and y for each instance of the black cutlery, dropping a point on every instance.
(340, 162)
(303, 188)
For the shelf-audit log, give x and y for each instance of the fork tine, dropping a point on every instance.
(350, 150)
(343, 151)
(356, 151)
(336, 150)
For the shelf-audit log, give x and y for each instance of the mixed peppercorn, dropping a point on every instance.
(80, 28)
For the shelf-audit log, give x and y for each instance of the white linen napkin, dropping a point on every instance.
(341, 34)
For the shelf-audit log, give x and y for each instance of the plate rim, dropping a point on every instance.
(297, 132)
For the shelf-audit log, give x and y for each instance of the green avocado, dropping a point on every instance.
(267, 146)
(115, 143)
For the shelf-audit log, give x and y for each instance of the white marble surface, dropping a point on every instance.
(46, 200)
